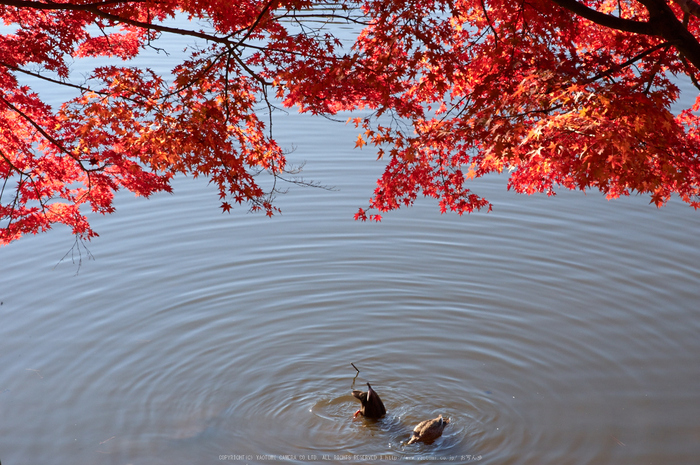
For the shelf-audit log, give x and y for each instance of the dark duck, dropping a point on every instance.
(372, 406)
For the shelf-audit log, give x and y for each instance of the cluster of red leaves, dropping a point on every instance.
(530, 89)
(566, 93)
(130, 128)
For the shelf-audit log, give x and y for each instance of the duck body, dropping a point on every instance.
(371, 404)
(429, 430)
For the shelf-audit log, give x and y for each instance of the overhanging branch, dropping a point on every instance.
(689, 6)
(662, 23)
(613, 22)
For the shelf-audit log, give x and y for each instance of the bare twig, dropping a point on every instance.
(75, 250)
(356, 375)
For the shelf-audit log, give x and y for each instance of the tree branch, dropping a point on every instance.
(94, 8)
(662, 23)
(51, 80)
(629, 62)
(64, 6)
(613, 22)
(47, 136)
(665, 24)
(689, 6)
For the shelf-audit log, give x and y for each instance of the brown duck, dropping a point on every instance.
(429, 430)
(372, 406)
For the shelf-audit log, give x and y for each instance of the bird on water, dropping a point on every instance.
(429, 430)
(372, 406)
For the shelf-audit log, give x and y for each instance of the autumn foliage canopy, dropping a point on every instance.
(556, 93)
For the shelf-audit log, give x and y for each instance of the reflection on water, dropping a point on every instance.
(552, 330)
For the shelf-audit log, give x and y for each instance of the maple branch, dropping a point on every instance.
(690, 72)
(613, 22)
(7, 178)
(200, 75)
(332, 16)
(83, 89)
(252, 27)
(252, 73)
(12, 168)
(15, 201)
(94, 8)
(58, 145)
(689, 6)
(62, 6)
(662, 23)
(22, 180)
(493, 29)
(629, 62)
(43, 132)
(34, 124)
(666, 24)
(20, 183)
(655, 70)
(51, 80)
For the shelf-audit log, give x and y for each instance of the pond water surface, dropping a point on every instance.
(559, 330)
